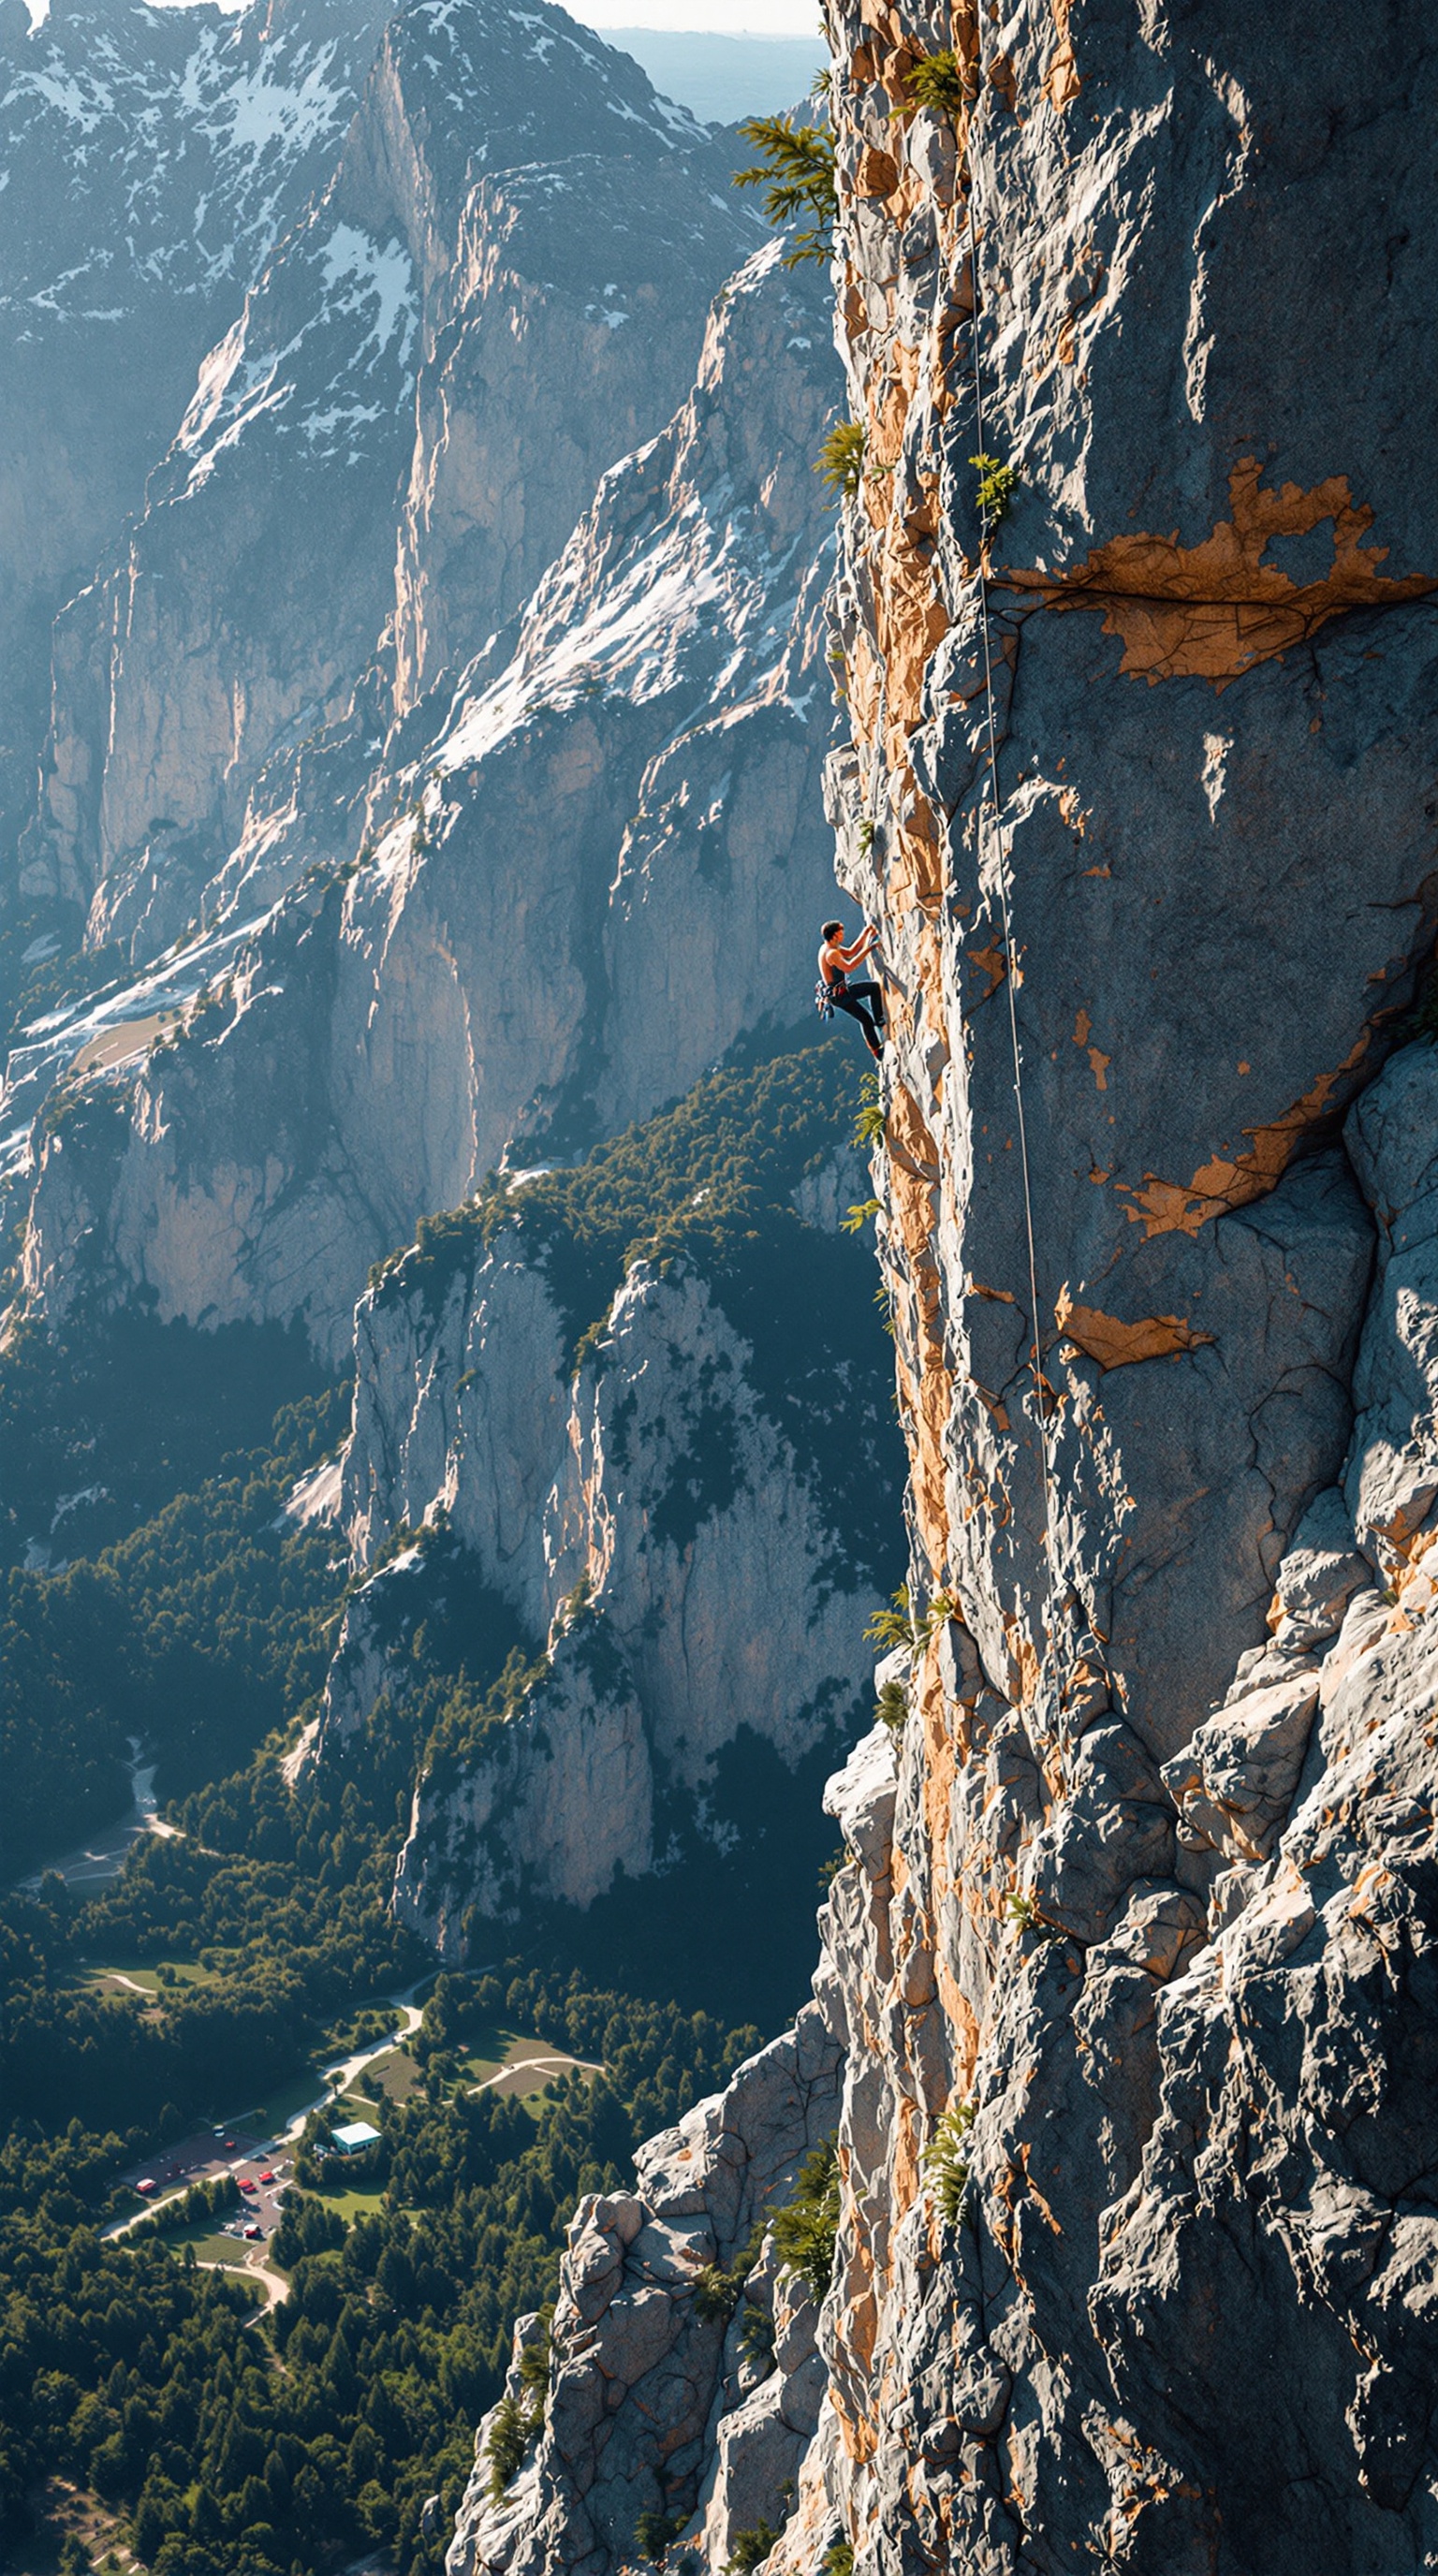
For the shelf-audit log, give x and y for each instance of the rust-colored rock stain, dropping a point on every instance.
(1215, 610)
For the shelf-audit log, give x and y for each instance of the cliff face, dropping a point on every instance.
(691, 1523)
(494, 151)
(151, 159)
(588, 868)
(1133, 1960)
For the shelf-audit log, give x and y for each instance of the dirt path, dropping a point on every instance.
(546, 2066)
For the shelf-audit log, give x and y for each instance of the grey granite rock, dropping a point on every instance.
(645, 2405)
(497, 150)
(1133, 1962)
(618, 800)
(151, 162)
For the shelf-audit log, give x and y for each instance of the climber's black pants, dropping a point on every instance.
(864, 1003)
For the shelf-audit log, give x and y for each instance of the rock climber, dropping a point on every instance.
(834, 992)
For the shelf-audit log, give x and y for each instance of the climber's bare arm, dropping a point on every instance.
(848, 958)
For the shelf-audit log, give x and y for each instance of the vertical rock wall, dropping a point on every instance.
(1133, 1957)
(584, 876)
(512, 206)
(1127, 1945)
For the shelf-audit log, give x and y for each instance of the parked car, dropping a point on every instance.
(146, 2187)
(267, 2178)
(256, 2233)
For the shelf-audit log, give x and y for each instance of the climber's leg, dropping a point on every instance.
(853, 1002)
(873, 994)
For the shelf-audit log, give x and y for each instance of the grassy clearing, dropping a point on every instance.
(354, 2203)
(211, 2246)
(156, 1977)
(493, 2050)
(396, 2073)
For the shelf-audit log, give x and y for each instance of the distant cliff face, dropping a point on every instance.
(372, 383)
(692, 1522)
(152, 159)
(599, 860)
(1133, 1959)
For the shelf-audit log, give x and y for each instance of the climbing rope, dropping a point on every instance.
(995, 801)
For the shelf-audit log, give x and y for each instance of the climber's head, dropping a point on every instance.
(832, 930)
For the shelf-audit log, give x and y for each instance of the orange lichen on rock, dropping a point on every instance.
(905, 2168)
(1226, 1183)
(1214, 610)
(877, 174)
(1002, 78)
(991, 962)
(929, 1396)
(1115, 1344)
(1061, 83)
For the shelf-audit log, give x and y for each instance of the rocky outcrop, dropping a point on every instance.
(1132, 1963)
(647, 2373)
(152, 159)
(621, 806)
(496, 150)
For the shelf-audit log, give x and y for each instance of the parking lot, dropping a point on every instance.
(261, 2167)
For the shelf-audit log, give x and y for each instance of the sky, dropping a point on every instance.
(704, 17)
(691, 17)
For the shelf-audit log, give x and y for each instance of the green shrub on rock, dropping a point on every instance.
(806, 2232)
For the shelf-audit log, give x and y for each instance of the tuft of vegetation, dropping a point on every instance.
(838, 2559)
(654, 2533)
(756, 2334)
(1024, 1914)
(805, 2233)
(945, 2160)
(893, 1626)
(997, 485)
(717, 2292)
(510, 2435)
(857, 1217)
(900, 1624)
(942, 1606)
(942, 82)
(840, 461)
(891, 1708)
(750, 2549)
(796, 170)
(869, 1123)
(518, 2419)
(535, 2358)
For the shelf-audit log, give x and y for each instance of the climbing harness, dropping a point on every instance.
(996, 804)
(824, 998)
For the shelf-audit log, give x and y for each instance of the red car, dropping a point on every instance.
(267, 2178)
(257, 2233)
(246, 2185)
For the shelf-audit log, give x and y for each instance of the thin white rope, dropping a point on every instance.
(1010, 975)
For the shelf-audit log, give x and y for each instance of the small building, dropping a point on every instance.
(353, 2140)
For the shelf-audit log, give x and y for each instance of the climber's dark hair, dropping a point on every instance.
(832, 930)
